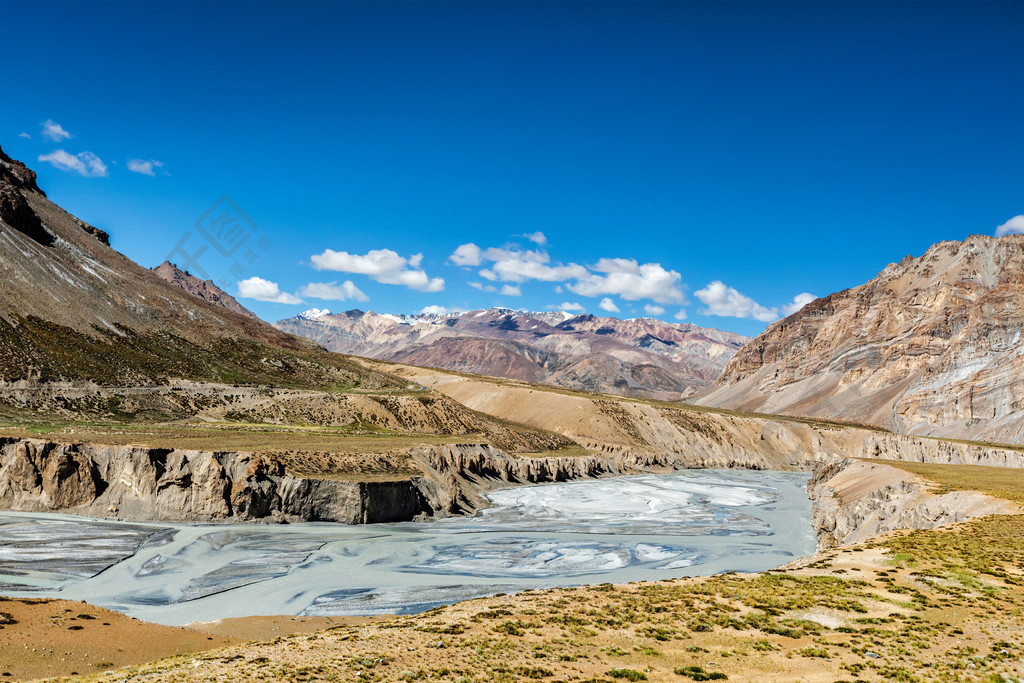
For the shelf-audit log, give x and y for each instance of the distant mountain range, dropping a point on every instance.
(638, 357)
(932, 345)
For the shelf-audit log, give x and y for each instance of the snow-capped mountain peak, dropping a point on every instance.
(314, 313)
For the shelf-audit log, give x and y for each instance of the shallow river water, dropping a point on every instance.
(648, 527)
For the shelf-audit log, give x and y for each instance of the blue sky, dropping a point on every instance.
(715, 158)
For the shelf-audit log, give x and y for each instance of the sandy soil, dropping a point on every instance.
(267, 628)
(43, 638)
(50, 638)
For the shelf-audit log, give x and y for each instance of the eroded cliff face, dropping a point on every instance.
(853, 501)
(142, 483)
(932, 345)
(457, 475)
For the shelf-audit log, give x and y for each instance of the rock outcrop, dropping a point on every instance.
(639, 357)
(204, 289)
(15, 180)
(853, 501)
(933, 345)
(142, 483)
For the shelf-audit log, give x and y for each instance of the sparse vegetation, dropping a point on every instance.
(627, 674)
(697, 673)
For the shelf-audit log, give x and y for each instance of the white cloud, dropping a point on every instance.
(619, 277)
(54, 131)
(332, 291)
(144, 166)
(567, 306)
(536, 237)
(264, 290)
(466, 255)
(25, 135)
(513, 265)
(1014, 226)
(799, 301)
(651, 309)
(631, 281)
(680, 314)
(608, 305)
(433, 310)
(511, 290)
(84, 163)
(482, 287)
(381, 265)
(413, 279)
(726, 302)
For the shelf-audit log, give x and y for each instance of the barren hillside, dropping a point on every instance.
(933, 345)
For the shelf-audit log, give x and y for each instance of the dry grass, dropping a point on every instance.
(264, 438)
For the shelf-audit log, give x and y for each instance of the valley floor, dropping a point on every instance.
(939, 605)
(925, 605)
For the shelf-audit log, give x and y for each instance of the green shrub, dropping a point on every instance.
(699, 674)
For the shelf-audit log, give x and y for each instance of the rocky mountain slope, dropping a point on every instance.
(72, 309)
(639, 357)
(932, 345)
(204, 289)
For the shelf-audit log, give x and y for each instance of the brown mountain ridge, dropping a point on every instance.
(932, 345)
(642, 357)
